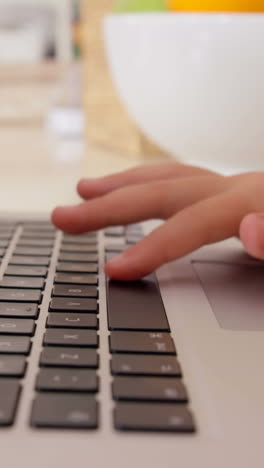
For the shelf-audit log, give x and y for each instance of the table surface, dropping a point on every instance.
(39, 169)
(33, 178)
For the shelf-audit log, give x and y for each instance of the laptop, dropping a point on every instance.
(163, 372)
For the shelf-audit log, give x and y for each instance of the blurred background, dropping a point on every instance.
(61, 117)
(53, 80)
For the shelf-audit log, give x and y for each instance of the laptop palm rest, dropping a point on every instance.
(235, 294)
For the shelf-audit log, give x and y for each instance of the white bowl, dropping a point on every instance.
(194, 83)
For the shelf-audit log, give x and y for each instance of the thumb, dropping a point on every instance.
(252, 234)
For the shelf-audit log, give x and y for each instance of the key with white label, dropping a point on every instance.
(78, 248)
(66, 267)
(141, 342)
(73, 304)
(81, 241)
(67, 380)
(34, 251)
(19, 282)
(19, 310)
(69, 357)
(29, 260)
(20, 295)
(68, 290)
(35, 271)
(15, 345)
(136, 364)
(81, 279)
(61, 320)
(64, 411)
(78, 257)
(153, 417)
(149, 389)
(69, 337)
(17, 326)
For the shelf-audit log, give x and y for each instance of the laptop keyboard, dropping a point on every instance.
(50, 276)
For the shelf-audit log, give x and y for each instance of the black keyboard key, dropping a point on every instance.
(17, 326)
(141, 342)
(6, 230)
(132, 364)
(77, 248)
(3, 243)
(60, 320)
(35, 243)
(68, 290)
(109, 256)
(20, 295)
(69, 357)
(77, 257)
(80, 240)
(29, 261)
(39, 226)
(68, 337)
(12, 366)
(9, 396)
(28, 251)
(149, 389)
(73, 304)
(115, 248)
(15, 345)
(7, 224)
(153, 417)
(22, 283)
(115, 231)
(34, 271)
(37, 235)
(19, 310)
(136, 306)
(77, 237)
(64, 411)
(65, 267)
(67, 380)
(134, 229)
(66, 278)
(133, 239)
(5, 235)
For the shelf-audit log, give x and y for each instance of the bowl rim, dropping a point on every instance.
(171, 16)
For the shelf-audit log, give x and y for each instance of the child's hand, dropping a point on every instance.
(199, 207)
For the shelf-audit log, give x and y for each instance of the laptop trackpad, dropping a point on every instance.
(235, 293)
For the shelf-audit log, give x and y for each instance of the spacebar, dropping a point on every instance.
(136, 306)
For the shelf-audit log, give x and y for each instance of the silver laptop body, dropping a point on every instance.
(214, 301)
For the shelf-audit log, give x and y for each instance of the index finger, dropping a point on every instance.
(90, 188)
(158, 200)
(205, 222)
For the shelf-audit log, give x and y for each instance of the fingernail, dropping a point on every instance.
(253, 234)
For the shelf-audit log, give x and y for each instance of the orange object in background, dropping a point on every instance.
(217, 5)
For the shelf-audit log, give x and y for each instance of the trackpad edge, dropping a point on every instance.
(235, 294)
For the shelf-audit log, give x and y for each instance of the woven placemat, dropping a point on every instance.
(108, 123)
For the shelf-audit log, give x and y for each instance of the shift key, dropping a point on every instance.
(136, 305)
